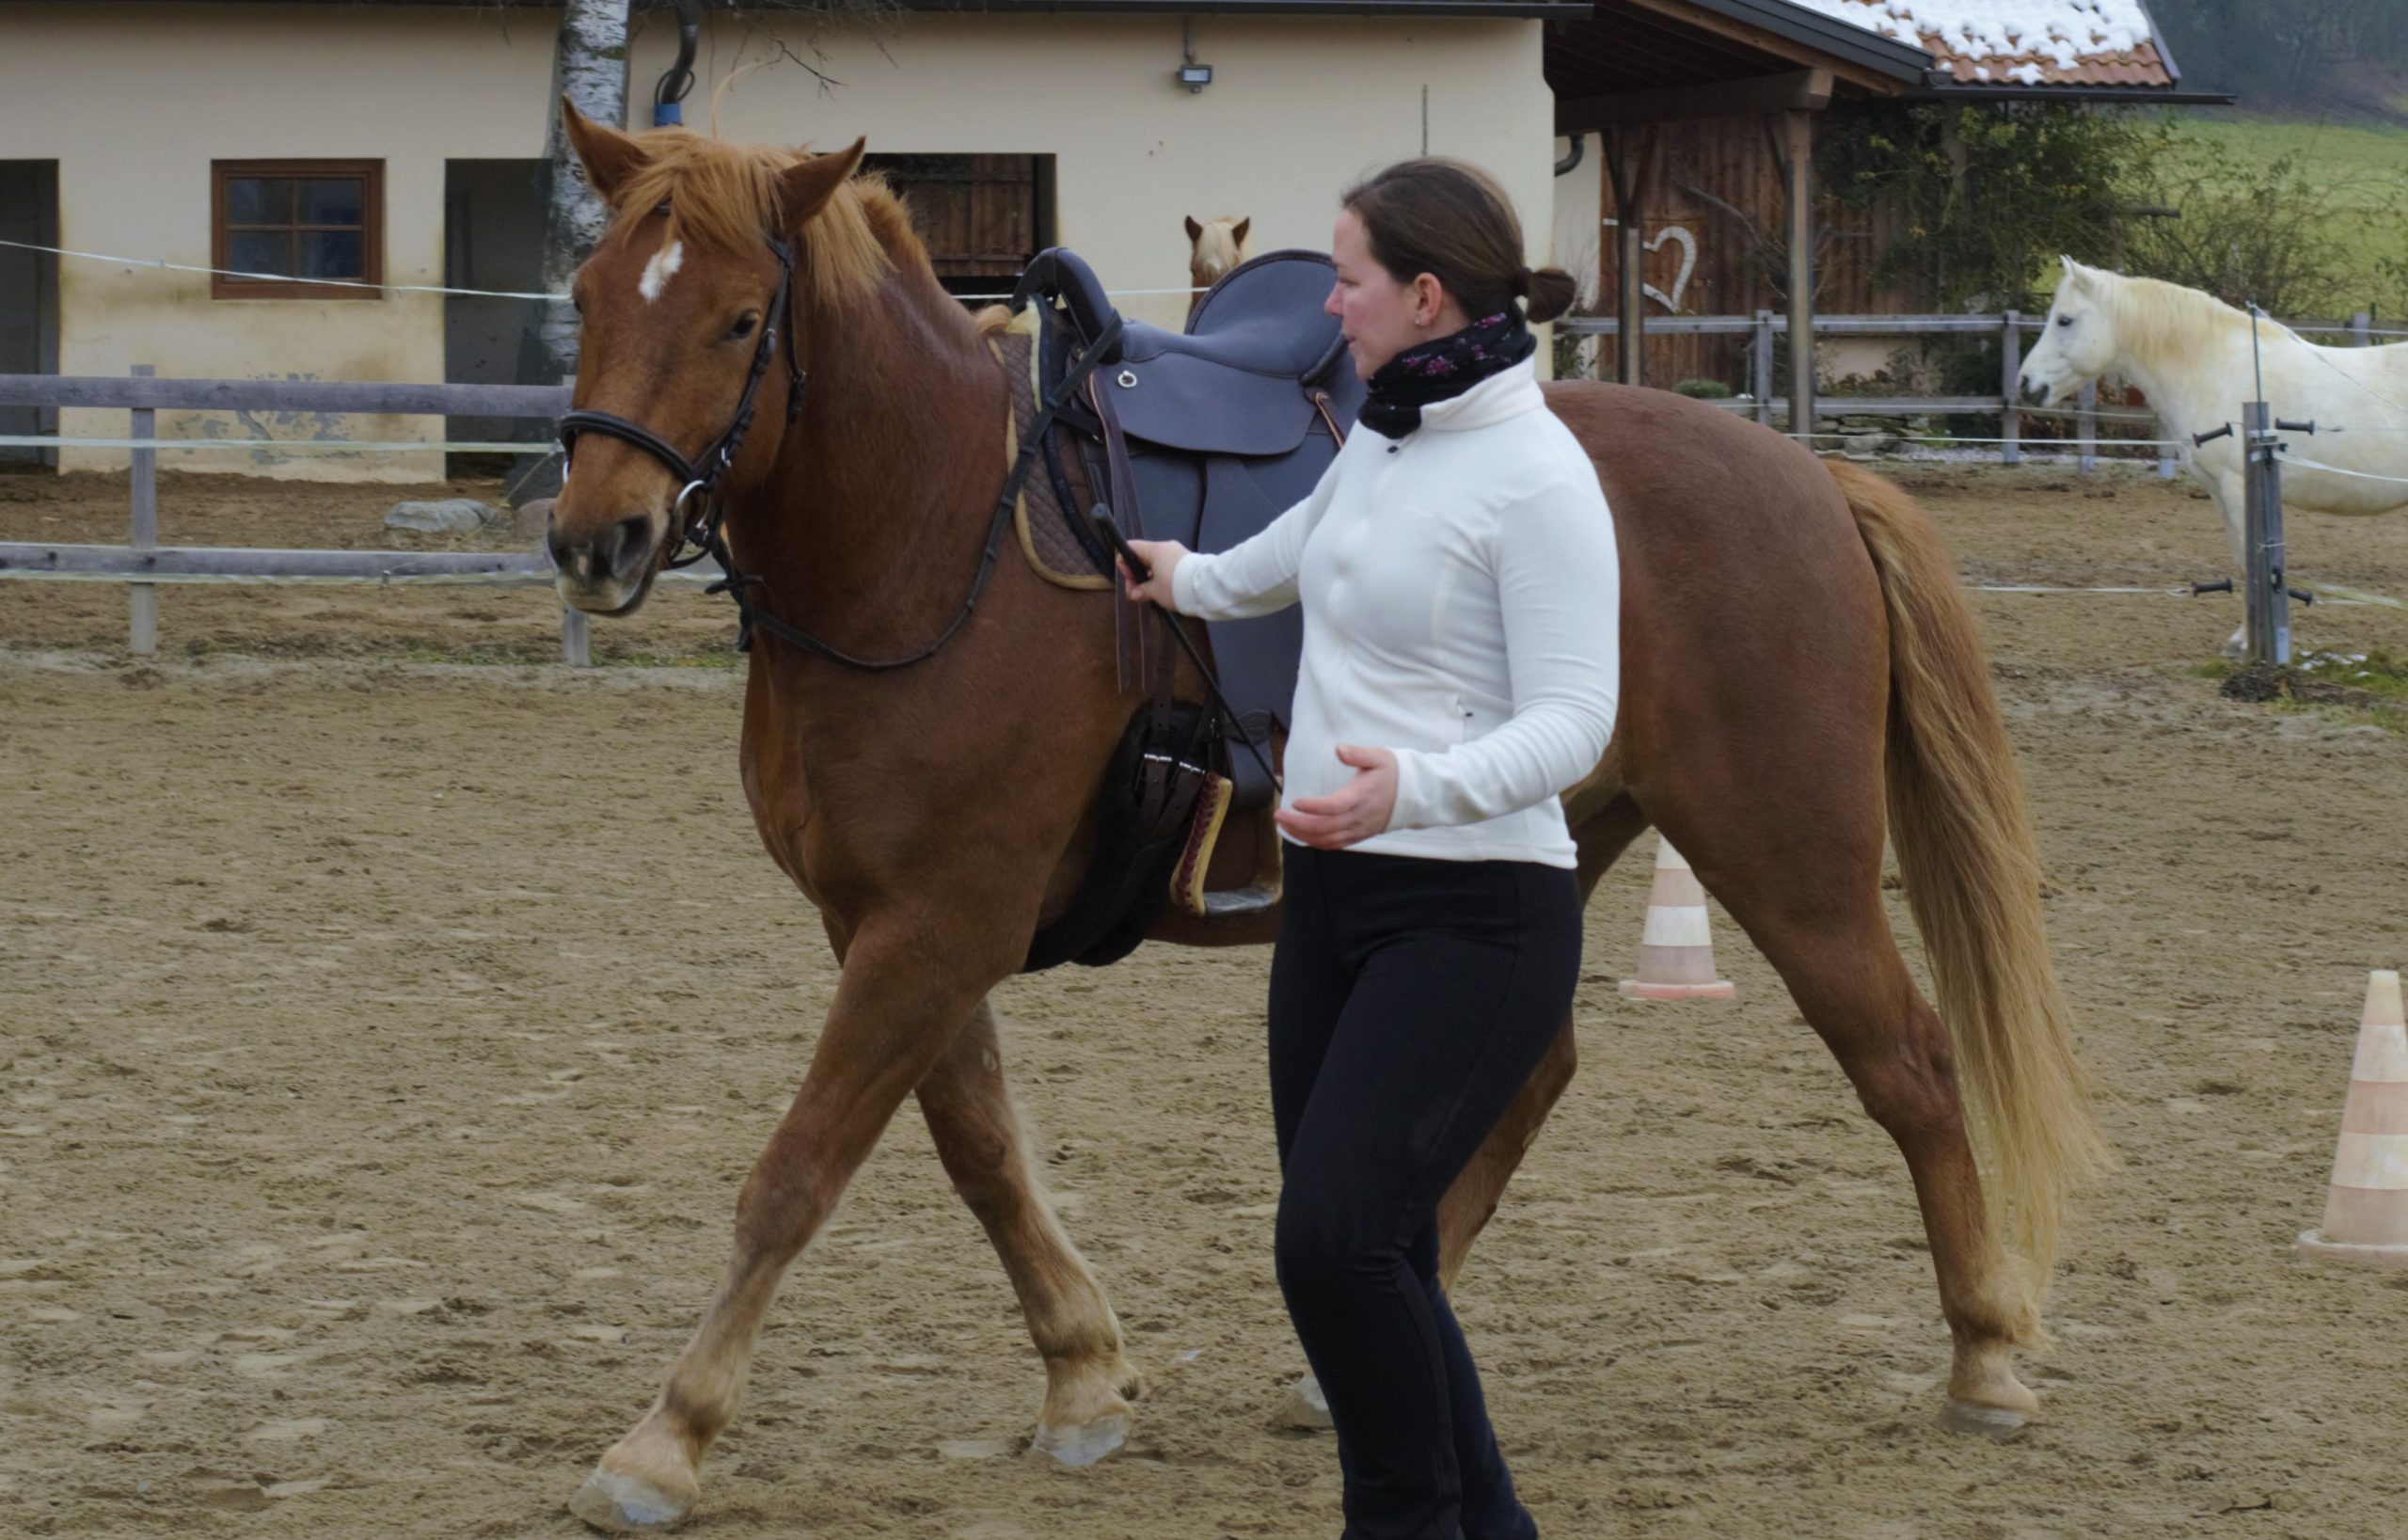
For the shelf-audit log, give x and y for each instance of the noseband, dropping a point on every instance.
(699, 528)
(700, 479)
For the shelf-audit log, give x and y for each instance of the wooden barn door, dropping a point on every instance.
(981, 217)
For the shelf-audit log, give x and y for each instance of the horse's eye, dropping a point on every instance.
(742, 328)
(2065, 320)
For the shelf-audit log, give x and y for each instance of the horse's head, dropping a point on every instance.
(1212, 249)
(698, 267)
(2077, 346)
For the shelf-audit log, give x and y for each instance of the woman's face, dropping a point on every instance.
(1375, 311)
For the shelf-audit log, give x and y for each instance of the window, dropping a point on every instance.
(297, 219)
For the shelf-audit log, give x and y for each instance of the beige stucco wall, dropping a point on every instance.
(135, 100)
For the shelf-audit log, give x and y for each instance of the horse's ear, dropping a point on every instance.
(610, 156)
(2075, 271)
(1195, 231)
(1239, 233)
(805, 187)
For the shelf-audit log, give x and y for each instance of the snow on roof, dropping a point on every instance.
(2027, 42)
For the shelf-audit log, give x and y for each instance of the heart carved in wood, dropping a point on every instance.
(1678, 235)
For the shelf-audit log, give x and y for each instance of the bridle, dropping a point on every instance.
(699, 514)
(698, 533)
(698, 527)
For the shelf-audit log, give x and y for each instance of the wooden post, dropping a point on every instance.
(2268, 611)
(1761, 360)
(2086, 427)
(2010, 420)
(577, 637)
(1630, 246)
(142, 621)
(1798, 135)
(2361, 329)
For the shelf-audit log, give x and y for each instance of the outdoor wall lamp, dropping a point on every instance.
(1193, 75)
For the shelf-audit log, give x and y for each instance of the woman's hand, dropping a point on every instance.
(1356, 811)
(1162, 558)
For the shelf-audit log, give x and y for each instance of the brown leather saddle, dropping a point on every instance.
(1202, 436)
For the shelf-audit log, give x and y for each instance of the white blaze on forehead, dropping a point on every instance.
(658, 272)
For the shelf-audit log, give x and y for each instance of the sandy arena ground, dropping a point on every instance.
(387, 1020)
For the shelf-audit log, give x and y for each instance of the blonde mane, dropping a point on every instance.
(1216, 248)
(2170, 326)
(724, 197)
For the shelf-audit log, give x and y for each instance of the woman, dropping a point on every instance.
(1457, 569)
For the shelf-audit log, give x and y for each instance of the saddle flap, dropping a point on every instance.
(1203, 406)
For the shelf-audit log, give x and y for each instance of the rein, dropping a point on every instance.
(702, 531)
(700, 534)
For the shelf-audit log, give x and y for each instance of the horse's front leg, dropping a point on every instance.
(904, 995)
(969, 1107)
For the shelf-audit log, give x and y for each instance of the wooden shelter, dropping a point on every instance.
(1704, 112)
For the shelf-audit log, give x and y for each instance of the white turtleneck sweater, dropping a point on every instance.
(1462, 608)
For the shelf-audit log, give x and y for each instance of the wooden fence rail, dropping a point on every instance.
(142, 565)
(2009, 327)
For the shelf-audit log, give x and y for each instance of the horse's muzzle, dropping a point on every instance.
(606, 570)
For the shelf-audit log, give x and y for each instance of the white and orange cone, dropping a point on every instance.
(2366, 1208)
(1676, 950)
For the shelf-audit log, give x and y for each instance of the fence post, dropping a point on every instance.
(1762, 367)
(2269, 613)
(2361, 329)
(142, 619)
(577, 637)
(2088, 427)
(2010, 420)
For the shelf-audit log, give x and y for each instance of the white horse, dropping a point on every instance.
(2191, 355)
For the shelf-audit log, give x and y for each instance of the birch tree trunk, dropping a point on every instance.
(590, 67)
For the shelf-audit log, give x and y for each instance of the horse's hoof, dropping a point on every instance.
(1306, 1406)
(1082, 1444)
(1996, 1424)
(626, 1504)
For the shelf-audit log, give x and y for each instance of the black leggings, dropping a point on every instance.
(1410, 1000)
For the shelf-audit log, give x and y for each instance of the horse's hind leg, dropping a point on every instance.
(1471, 1202)
(1807, 891)
(969, 1107)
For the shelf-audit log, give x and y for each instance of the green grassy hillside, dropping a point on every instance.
(2366, 165)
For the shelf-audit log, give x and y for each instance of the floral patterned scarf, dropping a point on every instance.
(1441, 367)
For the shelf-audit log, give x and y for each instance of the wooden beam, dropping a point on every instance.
(1771, 43)
(1631, 172)
(1798, 151)
(1808, 89)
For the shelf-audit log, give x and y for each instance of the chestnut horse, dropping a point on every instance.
(1795, 646)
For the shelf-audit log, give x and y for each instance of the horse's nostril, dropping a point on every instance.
(624, 542)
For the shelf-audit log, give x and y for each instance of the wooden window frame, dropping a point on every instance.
(372, 229)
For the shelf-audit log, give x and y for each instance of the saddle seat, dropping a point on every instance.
(1238, 381)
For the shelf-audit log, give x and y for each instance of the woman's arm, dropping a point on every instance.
(1252, 577)
(1558, 585)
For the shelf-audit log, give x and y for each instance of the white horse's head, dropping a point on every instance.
(2078, 345)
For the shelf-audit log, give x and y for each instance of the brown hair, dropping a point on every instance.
(1452, 221)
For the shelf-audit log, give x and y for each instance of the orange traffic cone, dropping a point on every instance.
(1676, 950)
(2366, 1208)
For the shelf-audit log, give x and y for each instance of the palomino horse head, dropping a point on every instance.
(2078, 345)
(694, 323)
(1212, 249)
